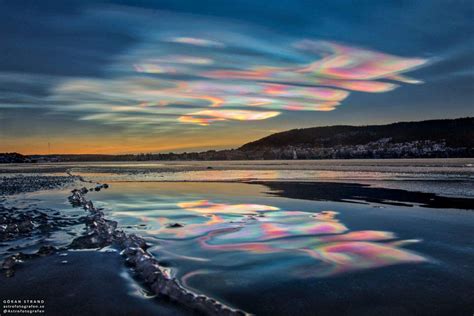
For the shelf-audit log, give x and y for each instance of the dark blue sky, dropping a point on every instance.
(130, 76)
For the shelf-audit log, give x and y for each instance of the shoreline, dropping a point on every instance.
(447, 177)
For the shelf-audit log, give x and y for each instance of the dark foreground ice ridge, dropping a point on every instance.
(103, 232)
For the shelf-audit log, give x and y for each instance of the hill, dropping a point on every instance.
(455, 133)
(425, 139)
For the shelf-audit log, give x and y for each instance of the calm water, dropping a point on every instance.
(266, 253)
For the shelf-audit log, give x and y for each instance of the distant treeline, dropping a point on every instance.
(425, 139)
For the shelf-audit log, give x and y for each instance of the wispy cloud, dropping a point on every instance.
(196, 41)
(190, 78)
(186, 69)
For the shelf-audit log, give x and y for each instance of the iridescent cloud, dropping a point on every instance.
(205, 117)
(182, 77)
(345, 62)
(195, 41)
(182, 59)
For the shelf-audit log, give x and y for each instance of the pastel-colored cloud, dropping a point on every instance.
(196, 41)
(203, 121)
(345, 67)
(154, 68)
(205, 117)
(198, 80)
(352, 63)
(182, 59)
(313, 93)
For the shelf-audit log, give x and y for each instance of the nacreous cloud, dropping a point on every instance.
(206, 117)
(195, 41)
(180, 74)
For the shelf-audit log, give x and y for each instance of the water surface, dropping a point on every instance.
(283, 238)
(258, 251)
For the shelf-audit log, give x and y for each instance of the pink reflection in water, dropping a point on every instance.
(207, 207)
(320, 236)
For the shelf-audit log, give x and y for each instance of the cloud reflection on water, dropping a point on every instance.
(265, 230)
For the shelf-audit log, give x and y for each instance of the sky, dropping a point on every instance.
(173, 76)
